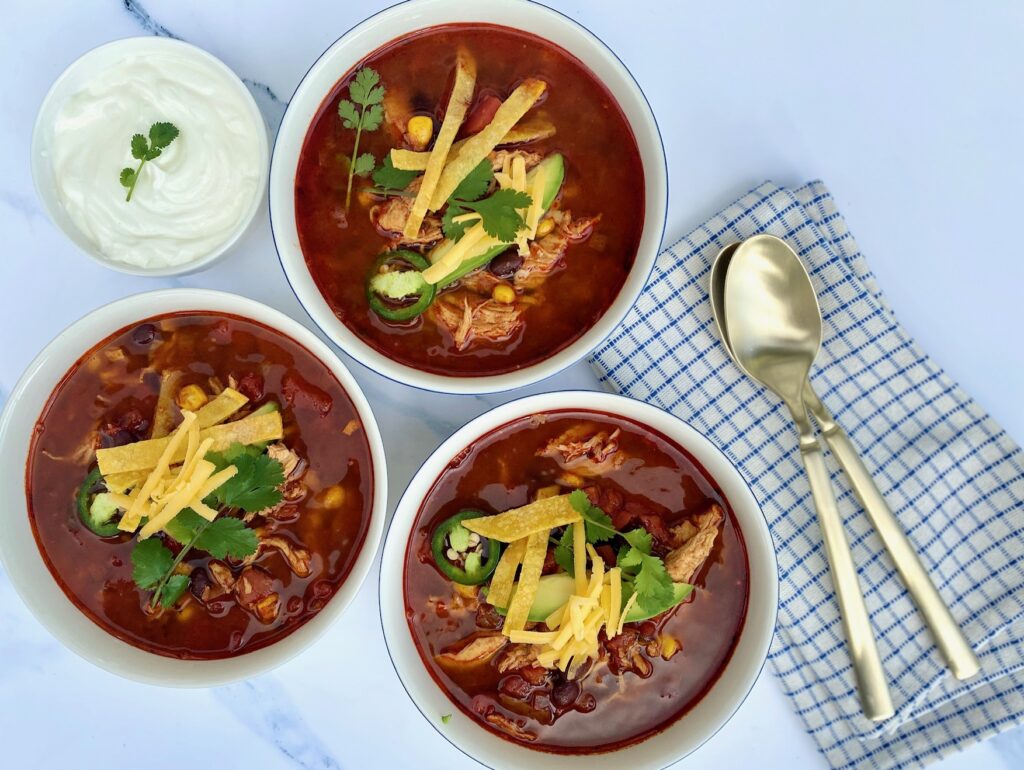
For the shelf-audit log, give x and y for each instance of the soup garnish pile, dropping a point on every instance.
(199, 485)
(470, 199)
(575, 581)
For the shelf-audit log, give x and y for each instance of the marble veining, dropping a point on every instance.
(339, 704)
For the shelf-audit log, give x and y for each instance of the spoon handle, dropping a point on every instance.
(872, 686)
(948, 636)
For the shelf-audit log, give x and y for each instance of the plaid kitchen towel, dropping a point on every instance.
(949, 472)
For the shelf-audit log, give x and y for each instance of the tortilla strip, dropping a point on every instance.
(529, 580)
(504, 576)
(143, 455)
(478, 146)
(579, 556)
(521, 133)
(455, 113)
(163, 415)
(538, 516)
(227, 402)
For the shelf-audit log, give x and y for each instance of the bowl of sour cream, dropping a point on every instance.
(167, 123)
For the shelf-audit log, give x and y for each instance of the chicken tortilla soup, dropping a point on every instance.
(469, 199)
(199, 485)
(575, 581)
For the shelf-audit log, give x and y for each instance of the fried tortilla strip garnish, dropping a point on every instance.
(144, 455)
(226, 403)
(513, 525)
(479, 145)
(505, 574)
(455, 113)
(529, 580)
(525, 131)
(163, 415)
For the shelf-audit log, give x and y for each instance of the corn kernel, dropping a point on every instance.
(504, 294)
(192, 398)
(570, 479)
(550, 491)
(333, 497)
(546, 225)
(420, 130)
(669, 646)
(467, 592)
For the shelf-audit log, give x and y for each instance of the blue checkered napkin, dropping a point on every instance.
(950, 474)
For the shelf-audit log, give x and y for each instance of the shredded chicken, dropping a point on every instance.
(479, 650)
(497, 158)
(546, 253)
(502, 722)
(517, 656)
(299, 559)
(482, 281)
(585, 452)
(289, 460)
(683, 562)
(221, 581)
(254, 590)
(626, 653)
(471, 320)
(390, 217)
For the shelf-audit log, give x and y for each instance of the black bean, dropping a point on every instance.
(505, 264)
(565, 693)
(144, 334)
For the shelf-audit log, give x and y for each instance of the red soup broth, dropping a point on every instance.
(117, 381)
(501, 471)
(604, 176)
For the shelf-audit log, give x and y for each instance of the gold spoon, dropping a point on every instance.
(955, 648)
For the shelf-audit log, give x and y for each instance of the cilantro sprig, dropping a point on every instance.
(362, 111)
(499, 213)
(388, 180)
(254, 487)
(143, 150)
(645, 571)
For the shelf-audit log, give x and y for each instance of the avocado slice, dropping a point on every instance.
(554, 590)
(555, 165)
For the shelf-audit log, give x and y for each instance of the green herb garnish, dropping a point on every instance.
(646, 572)
(160, 135)
(362, 111)
(446, 718)
(499, 213)
(252, 489)
(389, 180)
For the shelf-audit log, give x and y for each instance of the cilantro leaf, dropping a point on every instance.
(173, 589)
(372, 117)
(162, 134)
(598, 523)
(453, 230)
(476, 183)
(652, 583)
(387, 178)
(500, 213)
(364, 164)
(255, 485)
(151, 560)
(139, 147)
(640, 539)
(564, 552)
(364, 89)
(348, 113)
(362, 111)
(227, 537)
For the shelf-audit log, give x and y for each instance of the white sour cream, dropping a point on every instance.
(189, 201)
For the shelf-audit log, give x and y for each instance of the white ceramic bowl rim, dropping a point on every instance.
(20, 554)
(42, 175)
(283, 225)
(657, 750)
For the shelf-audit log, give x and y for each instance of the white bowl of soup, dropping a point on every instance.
(198, 487)
(575, 580)
(468, 197)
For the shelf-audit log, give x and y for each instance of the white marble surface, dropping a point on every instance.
(910, 112)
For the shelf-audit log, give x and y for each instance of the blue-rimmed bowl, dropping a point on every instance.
(401, 20)
(704, 718)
